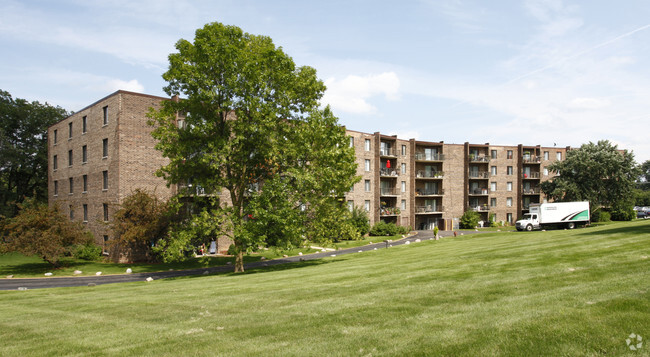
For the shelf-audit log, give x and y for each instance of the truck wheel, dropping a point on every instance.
(571, 225)
(529, 227)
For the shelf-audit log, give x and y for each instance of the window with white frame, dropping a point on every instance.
(509, 186)
(545, 155)
(509, 201)
(403, 168)
(493, 154)
(367, 165)
(367, 144)
(350, 205)
(403, 186)
(403, 150)
(351, 141)
(403, 206)
(493, 186)
(366, 205)
(367, 185)
(493, 202)
(509, 170)
(558, 156)
(545, 171)
(493, 170)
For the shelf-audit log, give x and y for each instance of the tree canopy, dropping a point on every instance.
(23, 150)
(249, 125)
(595, 172)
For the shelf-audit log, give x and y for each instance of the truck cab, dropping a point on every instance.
(528, 222)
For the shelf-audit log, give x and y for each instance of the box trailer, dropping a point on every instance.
(557, 214)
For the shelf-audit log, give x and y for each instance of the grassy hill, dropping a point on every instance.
(560, 293)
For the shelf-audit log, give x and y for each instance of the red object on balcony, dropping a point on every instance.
(525, 175)
(388, 164)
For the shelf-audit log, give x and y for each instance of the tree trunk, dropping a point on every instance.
(239, 261)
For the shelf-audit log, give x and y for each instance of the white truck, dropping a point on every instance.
(558, 214)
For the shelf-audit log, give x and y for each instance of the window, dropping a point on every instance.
(509, 201)
(56, 136)
(545, 171)
(403, 168)
(84, 154)
(403, 150)
(105, 206)
(71, 184)
(509, 186)
(351, 142)
(366, 205)
(509, 217)
(55, 163)
(493, 186)
(545, 155)
(367, 144)
(367, 165)
(367, 185)
(403, 206)
(56, 188)
(85, 184)
(71, 212)
(493, 154)
(403, 186)
(69, 130)
(105, 180)
(558, 156)
(493, 170)
(350, 205)
(84, 124)
(69, 157)
(105, 110)
(509, 154)
(493, 202)
(105, 148)
(510, 170)
(85, 213)
(105, 245)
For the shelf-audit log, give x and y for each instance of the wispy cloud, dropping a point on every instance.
(352, 94)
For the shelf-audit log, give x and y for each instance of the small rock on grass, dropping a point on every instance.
(76, 272)
(149, 279)
(10, 276)
(48, 274)
(129, 271)
(98, 273)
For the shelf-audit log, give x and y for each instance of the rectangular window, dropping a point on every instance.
(351, 142)
(367, 185)
(403, 186)
(558, 156)
(510, 170)
(84, 124)
(71, 212)
(367, 144)
(546, 155)
(84, 154)
(509, 186)
(509, 201)
(366, 205)
(493, 202)
(69, 130)
(509, 155)
(403, 168)
(105, 206)
(85, 184)
(509, 217)
(71, 185)
(55, 163)
(367, 165)
(493, 170)
(105, 148)
(56, 136)
(105, 245)
(493, 154)
(56, 188)
(403, 150)
(105, 110)
(105, 180)
(493, 186)
(403, 207)
(69, 157)
(85, 213)
(545, 171)
(350, 205)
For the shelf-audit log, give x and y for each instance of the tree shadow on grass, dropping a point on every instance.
(626, 229)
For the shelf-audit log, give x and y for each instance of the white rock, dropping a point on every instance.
(98, 273)
(129, 271)
(333, 255)
(417, 241)
(149, 279)
(10, 276)
(370, 243)
(76, 272)
(48, 274)
(299, 253)
(285, 256)
(390, 245)
(375, 249)
(407, 242)
(360, 251)
(263, 258)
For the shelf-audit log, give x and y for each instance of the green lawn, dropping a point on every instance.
(555, 293)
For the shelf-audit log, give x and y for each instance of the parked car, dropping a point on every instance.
(642, 214)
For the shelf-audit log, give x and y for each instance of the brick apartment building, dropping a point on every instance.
(102, 153)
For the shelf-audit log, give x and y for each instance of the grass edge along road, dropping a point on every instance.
(579, 292)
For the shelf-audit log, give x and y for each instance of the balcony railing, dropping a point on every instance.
(388, 172)
(479, 158)
(429, 209)
(531, 191)
(531, 159)
(532, 175)
(430, 174)
(389, 211)
(479, 175)
(481, 208)
(421, 156)
(479, 191)
(419, 192)
(389, 191)
(387, 152)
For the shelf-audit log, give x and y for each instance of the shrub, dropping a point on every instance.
(359, 219)
(469, 219)
(600, 216)
(88, 251)
(623, 214)
(384, 229)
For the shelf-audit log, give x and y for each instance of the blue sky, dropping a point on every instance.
(546, 72)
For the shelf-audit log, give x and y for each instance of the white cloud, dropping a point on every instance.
(133, 85)
(588, 103)
(352, 93)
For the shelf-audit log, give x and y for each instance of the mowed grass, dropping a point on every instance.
(554, 293)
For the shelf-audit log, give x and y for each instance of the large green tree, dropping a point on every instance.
(23, 150)
(253, 129)
(596, 172)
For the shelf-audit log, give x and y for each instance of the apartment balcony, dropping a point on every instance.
(387, 152)
(389, 211)
(481, 208)
(420, 156)
(479, 158)
(429, 209)
(422, 174)
(389, 191)
(479, 175)
(191, 190)
(530, 176)
(531, 160)
(478, 192)
(429, 193)
(388, 172)
(531, 191)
